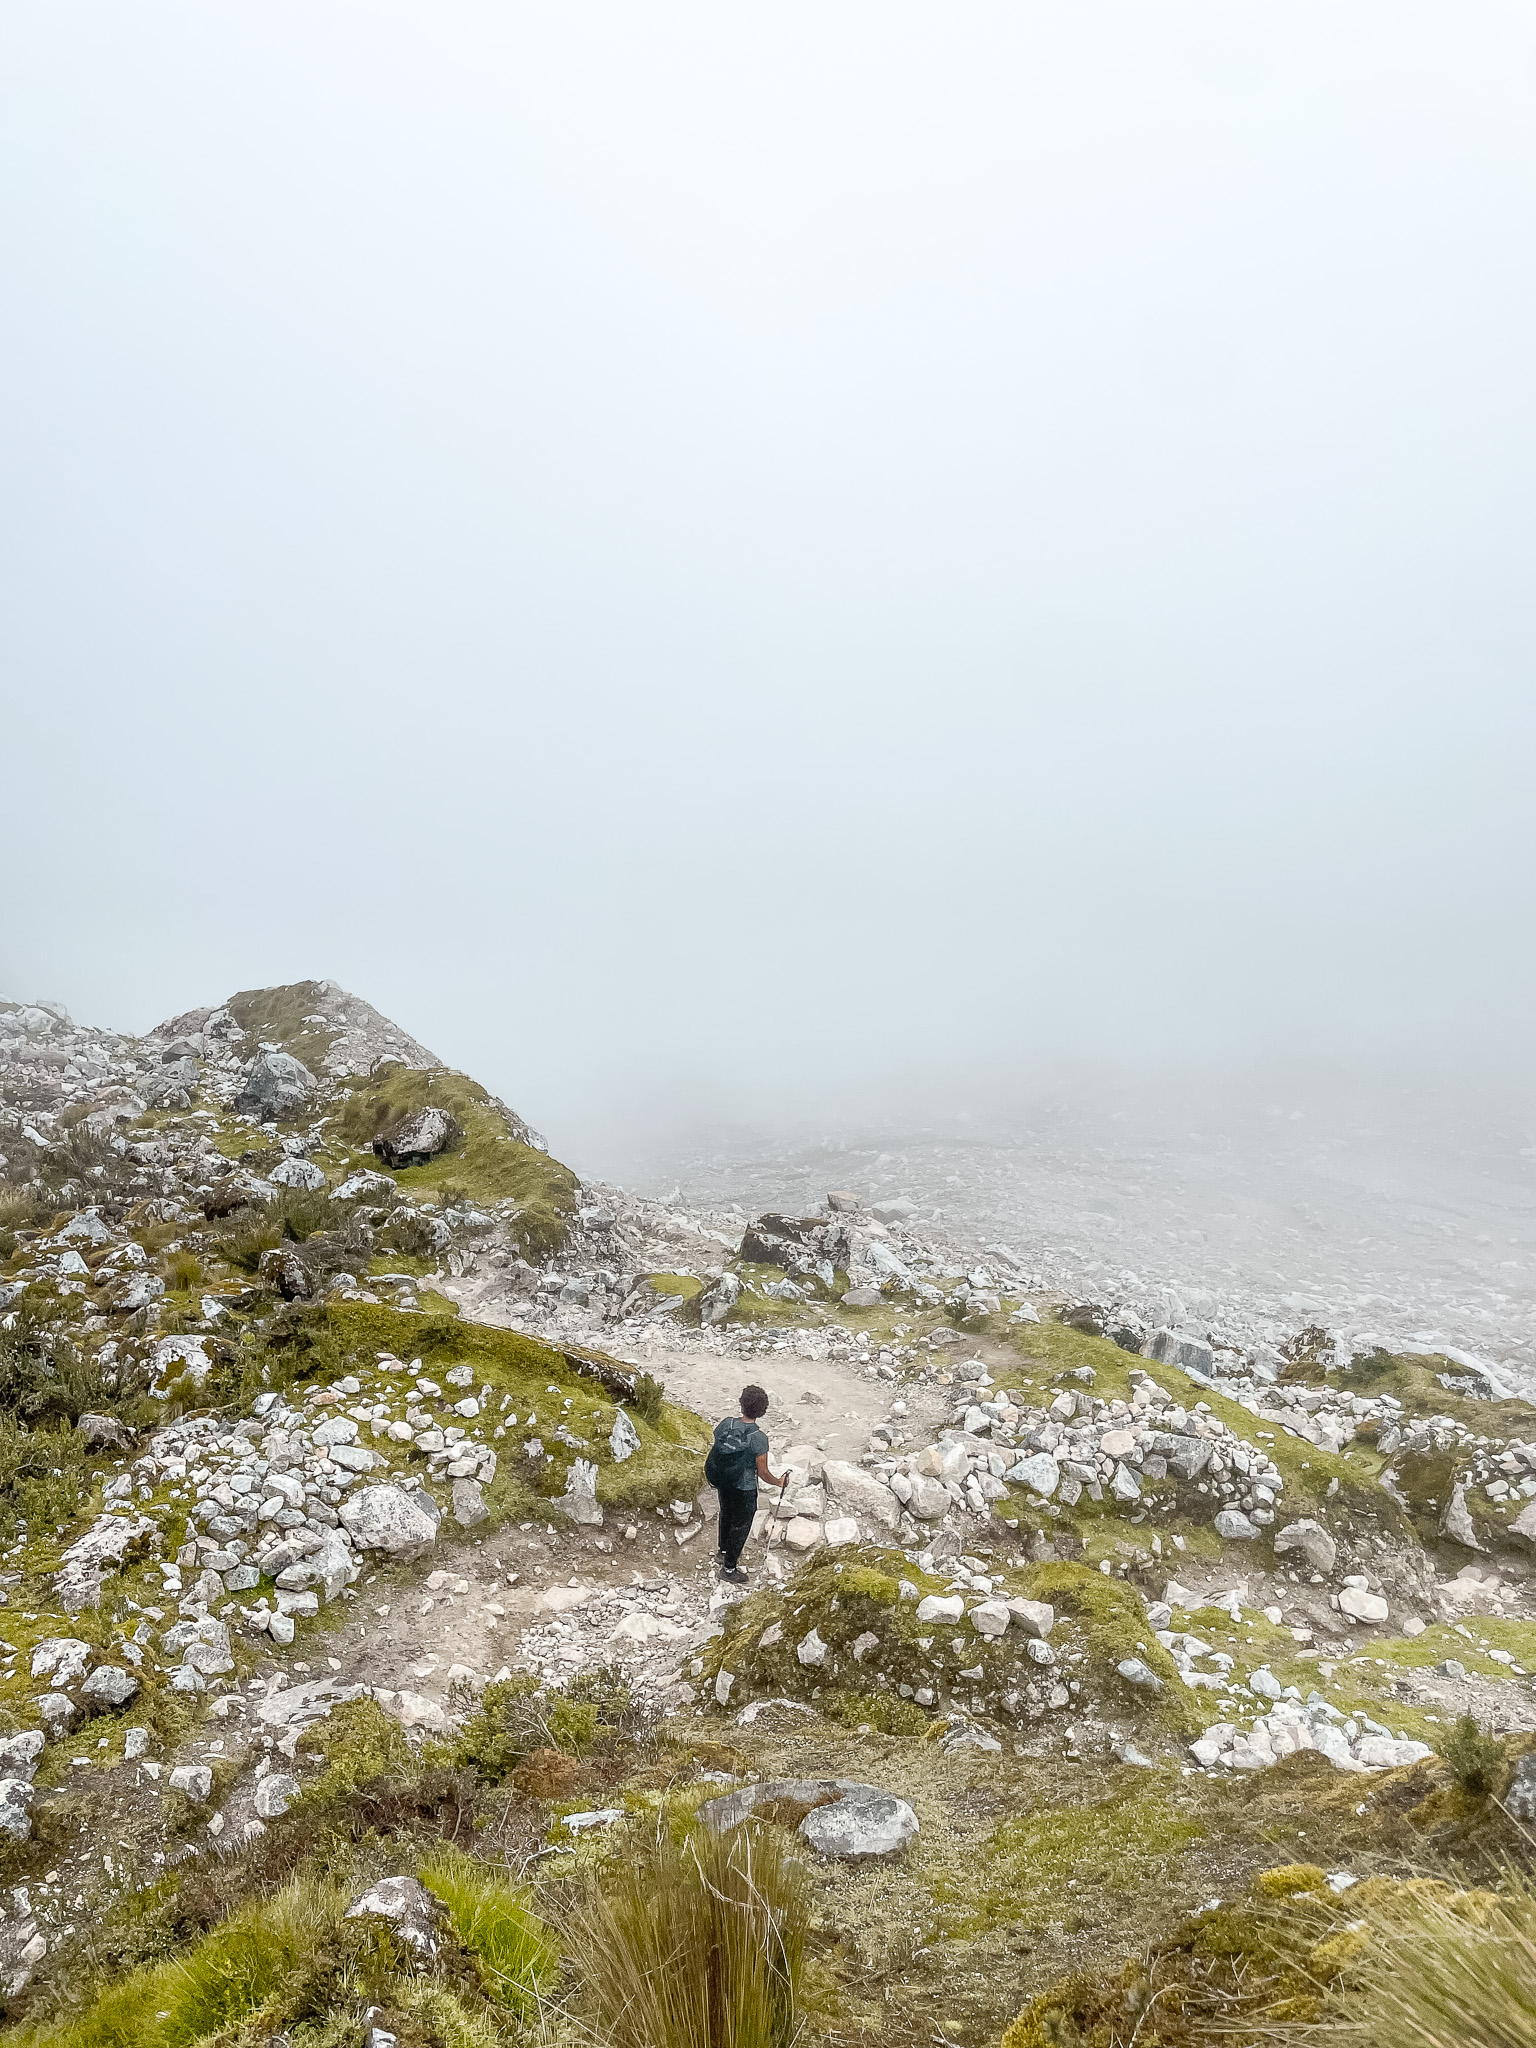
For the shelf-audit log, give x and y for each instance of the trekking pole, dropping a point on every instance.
(774, 1524)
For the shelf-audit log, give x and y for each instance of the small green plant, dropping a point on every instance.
(183, 1272)
(648, 1398)
(494, 1920)
(1473, 1756)
(698, 1944)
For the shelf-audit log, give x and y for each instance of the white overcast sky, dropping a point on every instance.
(732, 555)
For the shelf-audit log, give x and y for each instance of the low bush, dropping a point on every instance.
(1474, 1757)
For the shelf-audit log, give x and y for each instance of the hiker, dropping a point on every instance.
(737, 1457)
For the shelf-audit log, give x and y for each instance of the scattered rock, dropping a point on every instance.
(195, 1780)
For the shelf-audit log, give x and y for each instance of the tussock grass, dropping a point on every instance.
(496, 1923)
(1456, 1971)
(699, 1944)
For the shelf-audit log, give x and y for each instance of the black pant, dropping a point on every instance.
(737, 1510)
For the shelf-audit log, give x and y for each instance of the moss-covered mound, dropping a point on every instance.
(845, 1633)
(491, 1164)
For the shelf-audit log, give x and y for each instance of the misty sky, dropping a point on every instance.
(707, 554)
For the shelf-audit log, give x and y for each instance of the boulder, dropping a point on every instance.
(409, 1907)
(940, 1607)
(1035, 1617)
(276, 1085)
(64, 1658)
(865, 1822)
(19, 1754)
(298, 1173)
(16, 1808)
(930, 1499)
(1456, 1522)
(1524, 1524)
(716, 1302)
(86, 1563)
(861, 1493)
(292, 1708)
(282, 1268)
(195, 1780)
(412, 1710)
(579, 1499)
(172, 1084)
(105, 1433)
(1170, 1347)
(1312, 1540)
(1040, 1473)
(469, 1503)
(390, 1519)
(417, 1137)
(1361, 1605)
(57, 1711)
(1520, 1799)
(990, 1618)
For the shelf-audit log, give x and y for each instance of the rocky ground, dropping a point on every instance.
(328, 1393)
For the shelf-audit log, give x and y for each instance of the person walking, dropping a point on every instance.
(738, 1457)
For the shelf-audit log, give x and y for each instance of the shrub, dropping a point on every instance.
(699, 1944)
(1475, 1758)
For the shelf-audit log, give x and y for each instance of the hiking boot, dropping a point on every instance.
(733, 1574)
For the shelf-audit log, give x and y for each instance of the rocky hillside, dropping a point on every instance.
(361, 1646)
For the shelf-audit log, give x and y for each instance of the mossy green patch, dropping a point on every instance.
(1112, 1625)
(490, 1165)
(276, 1016)
(1132, 1843)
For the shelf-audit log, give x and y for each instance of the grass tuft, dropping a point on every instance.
(494, 1920)
(698, 1944)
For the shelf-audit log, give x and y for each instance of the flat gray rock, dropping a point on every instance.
(390, 1519)
(846, 1820)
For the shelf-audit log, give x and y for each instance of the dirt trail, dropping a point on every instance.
(533, 1595)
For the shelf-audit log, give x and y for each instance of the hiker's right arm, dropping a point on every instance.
(773, 1479)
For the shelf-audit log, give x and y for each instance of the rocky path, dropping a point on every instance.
(553, 1599)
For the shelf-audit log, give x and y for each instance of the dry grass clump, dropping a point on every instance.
(1457, 1971)
(699, 1944)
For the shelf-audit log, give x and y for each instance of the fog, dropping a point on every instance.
(761, 574)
